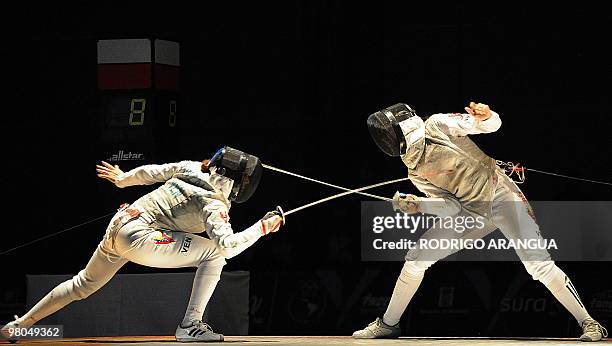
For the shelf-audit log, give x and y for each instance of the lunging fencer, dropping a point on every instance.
(458, 178)
(159, 230)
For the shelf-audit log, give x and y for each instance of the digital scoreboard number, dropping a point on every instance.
(172, 113)
(140, 110)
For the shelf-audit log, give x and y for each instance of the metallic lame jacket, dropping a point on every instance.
(449, 168)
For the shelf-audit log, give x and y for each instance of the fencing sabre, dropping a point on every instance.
(322, 200)
(324, 183)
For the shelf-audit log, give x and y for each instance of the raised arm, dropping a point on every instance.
(478, 119)
(229, 243)
(143, 175)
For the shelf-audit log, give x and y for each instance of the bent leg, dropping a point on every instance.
(418, 260)
(206, 278)
(169, 249)
(99, 270)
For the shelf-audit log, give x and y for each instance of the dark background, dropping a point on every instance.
(293, 82)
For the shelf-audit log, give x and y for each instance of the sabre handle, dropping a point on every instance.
(281, 213)
(405, 203)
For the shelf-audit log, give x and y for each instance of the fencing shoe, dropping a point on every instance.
(5, 331)
(592, 330)
(378, 330)
(197, 331)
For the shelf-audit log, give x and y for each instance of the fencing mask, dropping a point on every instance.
(385, 128)
(244, 169)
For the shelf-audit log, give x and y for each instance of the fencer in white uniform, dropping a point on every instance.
(457, 178)
(159, 230)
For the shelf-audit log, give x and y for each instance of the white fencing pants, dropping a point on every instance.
(138, 242)
(516, 220)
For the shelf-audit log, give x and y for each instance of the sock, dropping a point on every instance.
(562, 288)
(206, 278)
(407, 284)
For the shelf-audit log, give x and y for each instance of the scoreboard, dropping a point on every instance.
(131, 109)
(138, 98)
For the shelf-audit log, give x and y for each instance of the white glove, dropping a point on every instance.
(272, 221)
(405, 203)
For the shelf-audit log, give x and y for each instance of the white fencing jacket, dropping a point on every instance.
(448, 167)
(190, 201)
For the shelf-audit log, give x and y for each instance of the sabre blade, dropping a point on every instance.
(324, 183)
(343, 194)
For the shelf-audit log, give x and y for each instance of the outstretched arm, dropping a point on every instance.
(143, 175)
(478, 119)
(231, 244)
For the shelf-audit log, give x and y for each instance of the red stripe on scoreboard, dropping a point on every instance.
(166, 77)
(138, 64)
(124, 76)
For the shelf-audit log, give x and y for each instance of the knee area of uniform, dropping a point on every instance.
(71, 289)
(80, 287)
(212, 267)
(413, 270)
(64, 290)
(219, 252)
(543, 271)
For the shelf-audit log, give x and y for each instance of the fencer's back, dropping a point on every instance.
(179, 203)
